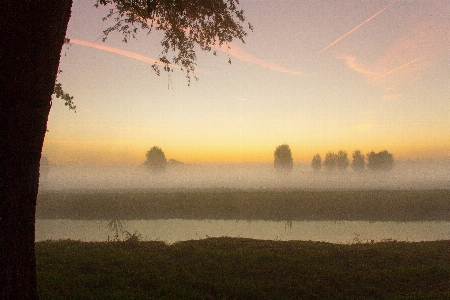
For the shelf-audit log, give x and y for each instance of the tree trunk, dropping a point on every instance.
(31, 38)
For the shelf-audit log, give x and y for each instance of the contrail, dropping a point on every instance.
(396, 69)
(235, 51)
(129, 54)
(119, 51)
(241, 54)
(336, 41)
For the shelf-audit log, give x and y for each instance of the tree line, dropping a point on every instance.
(381, 161)
(284, 163)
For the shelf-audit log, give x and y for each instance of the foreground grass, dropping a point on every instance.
(276, 205)
(231, 268)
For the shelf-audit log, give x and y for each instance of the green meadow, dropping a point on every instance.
(232, 268)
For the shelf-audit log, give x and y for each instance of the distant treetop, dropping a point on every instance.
(283, 159)
(156, 160)
(342, 161)
(381, 161)
(358, 163)
(330, 161)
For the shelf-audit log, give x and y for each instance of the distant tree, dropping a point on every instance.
(283, 159)
(381, 161)
(342, 161)
(316, 162)
(156, 160)
(330, 161)
(358, 163)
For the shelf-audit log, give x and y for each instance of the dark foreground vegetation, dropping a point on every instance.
(277, 205)
(231, 268)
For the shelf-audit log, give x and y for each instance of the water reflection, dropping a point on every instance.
(174, 230)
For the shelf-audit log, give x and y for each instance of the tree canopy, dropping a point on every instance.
(156, 159)
(330, 161)
(283, 159)
(208, 24)
(381, 161)
(358, 163)
(342, 161)
(336, 161)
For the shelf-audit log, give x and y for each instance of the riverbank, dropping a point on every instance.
(231, 268)
(245, 204)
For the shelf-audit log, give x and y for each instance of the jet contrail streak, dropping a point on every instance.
(396, 69)
(241, 54)
(336, 41)
(129, 54)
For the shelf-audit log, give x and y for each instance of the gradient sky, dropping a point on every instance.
(318, 75)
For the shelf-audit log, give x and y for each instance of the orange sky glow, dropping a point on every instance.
(321, 76)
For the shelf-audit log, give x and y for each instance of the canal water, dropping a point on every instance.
(174, 230)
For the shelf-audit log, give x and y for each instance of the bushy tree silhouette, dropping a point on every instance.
(381, 161)
(156, 160)
(330, 161)
(358, 163)
(283, 159)
(342, 161)
(316, 162)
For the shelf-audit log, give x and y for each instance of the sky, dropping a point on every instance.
(319, 76)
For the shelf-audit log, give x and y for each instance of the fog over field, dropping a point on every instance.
(404, 175)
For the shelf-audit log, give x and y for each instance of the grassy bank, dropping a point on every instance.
(227, 268)
(277, 205)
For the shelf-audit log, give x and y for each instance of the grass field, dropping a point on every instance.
(246, 204)
(229, 268)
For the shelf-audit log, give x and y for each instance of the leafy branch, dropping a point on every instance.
(59, 93)
(186, 24)
(58, 90)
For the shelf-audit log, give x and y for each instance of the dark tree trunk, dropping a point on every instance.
(31, 38)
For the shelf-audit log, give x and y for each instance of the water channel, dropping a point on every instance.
(174, 230)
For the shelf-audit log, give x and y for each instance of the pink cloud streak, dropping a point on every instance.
(358, 67)
(119, 52)
(240, 54)
(423, 46)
